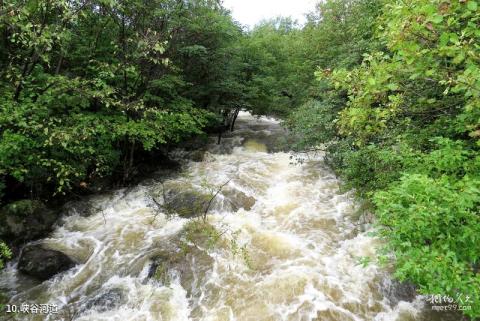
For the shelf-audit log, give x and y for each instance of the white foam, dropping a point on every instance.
(303, 248)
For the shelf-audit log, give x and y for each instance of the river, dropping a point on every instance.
(288, 251)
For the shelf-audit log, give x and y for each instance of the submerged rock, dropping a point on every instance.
(26, 220)
(105, 301)
(396, 291)
(43, 263)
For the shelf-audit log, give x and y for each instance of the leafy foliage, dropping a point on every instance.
(5, 253)
(88, 87)
(403, 130)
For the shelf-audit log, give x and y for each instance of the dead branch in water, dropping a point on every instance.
(160, 206)
(213, 197)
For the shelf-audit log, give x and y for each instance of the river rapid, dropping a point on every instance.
(288, 250)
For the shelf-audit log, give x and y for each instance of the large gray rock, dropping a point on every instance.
(168, 262)
(42, 263)
(188, 204)
(239, 199)
(26, 220)
(182, 199)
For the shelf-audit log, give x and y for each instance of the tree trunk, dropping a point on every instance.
(128, 162)
(234, 118)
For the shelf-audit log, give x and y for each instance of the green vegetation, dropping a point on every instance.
(401, 125)
(89, 87)
(202, 235)
(5, 253)
(390, 89)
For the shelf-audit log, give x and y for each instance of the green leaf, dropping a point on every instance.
(472, 5)
(392, 87)
(444, 38)
(437, 19)
(459, 58)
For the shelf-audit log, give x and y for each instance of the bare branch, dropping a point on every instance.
(213, 197)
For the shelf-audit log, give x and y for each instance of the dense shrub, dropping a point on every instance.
(406, 138)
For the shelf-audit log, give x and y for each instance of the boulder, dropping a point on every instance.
(26, 220)
(161, 264)
(239, 199)
(42, 263)
(176, 259)
(187, 204)
(182, 199)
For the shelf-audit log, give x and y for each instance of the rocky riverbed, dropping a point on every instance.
(240, 232)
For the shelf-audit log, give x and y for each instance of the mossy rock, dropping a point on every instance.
(161, 263)
(23, 208)
(188, 204)
(182, 199)
(26, 220)
(43, 263)
(177, 261)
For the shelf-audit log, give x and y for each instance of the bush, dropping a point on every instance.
(433, 227)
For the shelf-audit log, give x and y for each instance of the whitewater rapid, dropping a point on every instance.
(300, 240)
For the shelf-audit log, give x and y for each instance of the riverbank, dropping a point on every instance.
(282, 245)
(26, 220)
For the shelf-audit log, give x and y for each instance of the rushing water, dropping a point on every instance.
(300, 258)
